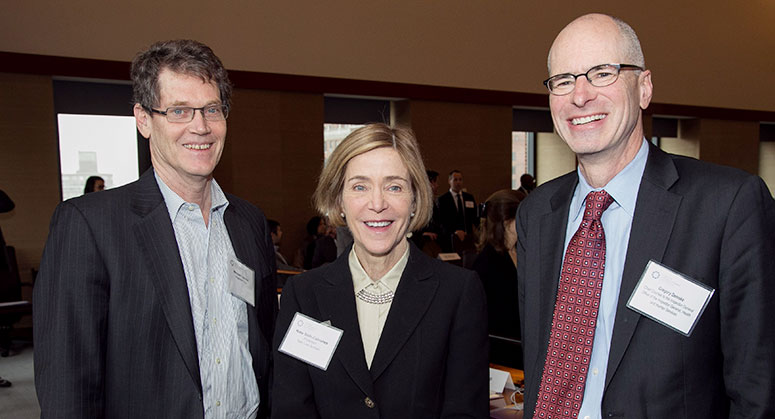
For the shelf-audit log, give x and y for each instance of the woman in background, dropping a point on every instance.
(94, 184)
(414, 342)
(496, 265)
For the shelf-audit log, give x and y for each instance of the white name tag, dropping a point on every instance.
(242, 281)
(469, 204)
(670, 298)
(311, 341)
(499, 380)
(446, 257)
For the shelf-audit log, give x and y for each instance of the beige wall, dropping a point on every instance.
(475, 139)
(709, 54)
(731, 143)
(29, 164)
(681, 146)
(767, 164)
(553, 157)
(273, 154)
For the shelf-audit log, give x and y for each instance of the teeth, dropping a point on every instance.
(197, 146)
(378, 223)
(586, 119)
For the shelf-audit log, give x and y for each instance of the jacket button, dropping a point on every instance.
(369, 403)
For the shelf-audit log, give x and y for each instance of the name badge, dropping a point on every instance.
(311, 341)
(469, 204)
(670, 298)
(242, 281)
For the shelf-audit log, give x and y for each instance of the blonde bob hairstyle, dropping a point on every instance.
(328, 193)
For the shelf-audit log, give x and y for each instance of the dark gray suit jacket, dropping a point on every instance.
(113, 329)
(431, 360)
(715, 224)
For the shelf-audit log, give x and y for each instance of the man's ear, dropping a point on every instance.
(646, 88)
(142, 120)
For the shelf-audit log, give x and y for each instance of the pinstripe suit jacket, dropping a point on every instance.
(113, 329)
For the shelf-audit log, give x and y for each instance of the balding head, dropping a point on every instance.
(603, 30)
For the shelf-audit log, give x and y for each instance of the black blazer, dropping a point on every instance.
(113, 329)
(715, 224)
(431, 360)
(448, 220)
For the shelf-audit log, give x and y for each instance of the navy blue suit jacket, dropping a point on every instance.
(712, 223)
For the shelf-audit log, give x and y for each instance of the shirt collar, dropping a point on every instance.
(174, 202)
(623, 187)
(391, 279)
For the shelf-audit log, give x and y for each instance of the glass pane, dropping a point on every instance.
(96, 145)
(333, 134)
(519, 156)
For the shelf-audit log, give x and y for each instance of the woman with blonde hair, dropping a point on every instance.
(414, 338)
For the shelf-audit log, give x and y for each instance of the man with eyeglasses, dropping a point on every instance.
(157, 299)
(644, 277)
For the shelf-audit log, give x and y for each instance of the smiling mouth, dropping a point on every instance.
(197, 146)
(587, 119)
(378, 224)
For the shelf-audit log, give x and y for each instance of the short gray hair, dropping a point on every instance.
(184, 56)
(632, 49)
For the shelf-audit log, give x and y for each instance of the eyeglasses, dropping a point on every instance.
(183, 114)
(599, 76)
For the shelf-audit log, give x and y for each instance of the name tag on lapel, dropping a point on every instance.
(311, 341)
(670, 298)
(242, 281)
(469, 204)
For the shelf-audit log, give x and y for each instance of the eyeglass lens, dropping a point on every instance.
(186, 113)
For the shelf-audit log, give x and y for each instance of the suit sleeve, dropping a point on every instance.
(466, 383)
(746, 293)
(69, 316)
(292, 393)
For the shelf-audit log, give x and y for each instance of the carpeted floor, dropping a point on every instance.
(19, 400)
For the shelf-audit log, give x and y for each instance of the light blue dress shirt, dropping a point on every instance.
(229, 386)
(617, 222)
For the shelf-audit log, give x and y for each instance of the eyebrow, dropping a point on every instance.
(388, 178)
(187, 104)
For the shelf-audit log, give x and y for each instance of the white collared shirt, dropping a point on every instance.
(372, 317)
(229, 386)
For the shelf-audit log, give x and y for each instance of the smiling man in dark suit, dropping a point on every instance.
(706, 227)
(157, 299)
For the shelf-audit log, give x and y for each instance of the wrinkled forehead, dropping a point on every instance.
(585, 43)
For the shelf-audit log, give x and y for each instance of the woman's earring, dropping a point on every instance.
(412, 214)
(341, 214)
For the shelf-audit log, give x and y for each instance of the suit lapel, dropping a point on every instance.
(655, 211)
(553, 225)
(336, 300)
(413, 297)
(156, 239)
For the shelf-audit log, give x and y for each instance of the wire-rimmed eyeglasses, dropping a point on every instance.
(183, 114)
(599, 76)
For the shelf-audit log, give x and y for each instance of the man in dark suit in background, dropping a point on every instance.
(457, 215)
(157, 299)
(707, 224)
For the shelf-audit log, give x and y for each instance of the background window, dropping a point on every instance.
(96, 145)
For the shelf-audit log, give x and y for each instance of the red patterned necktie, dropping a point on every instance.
(575, 316)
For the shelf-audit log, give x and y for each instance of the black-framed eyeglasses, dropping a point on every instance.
(599, 76)
(183, 114)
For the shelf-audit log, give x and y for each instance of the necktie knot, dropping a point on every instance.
(597, 202)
